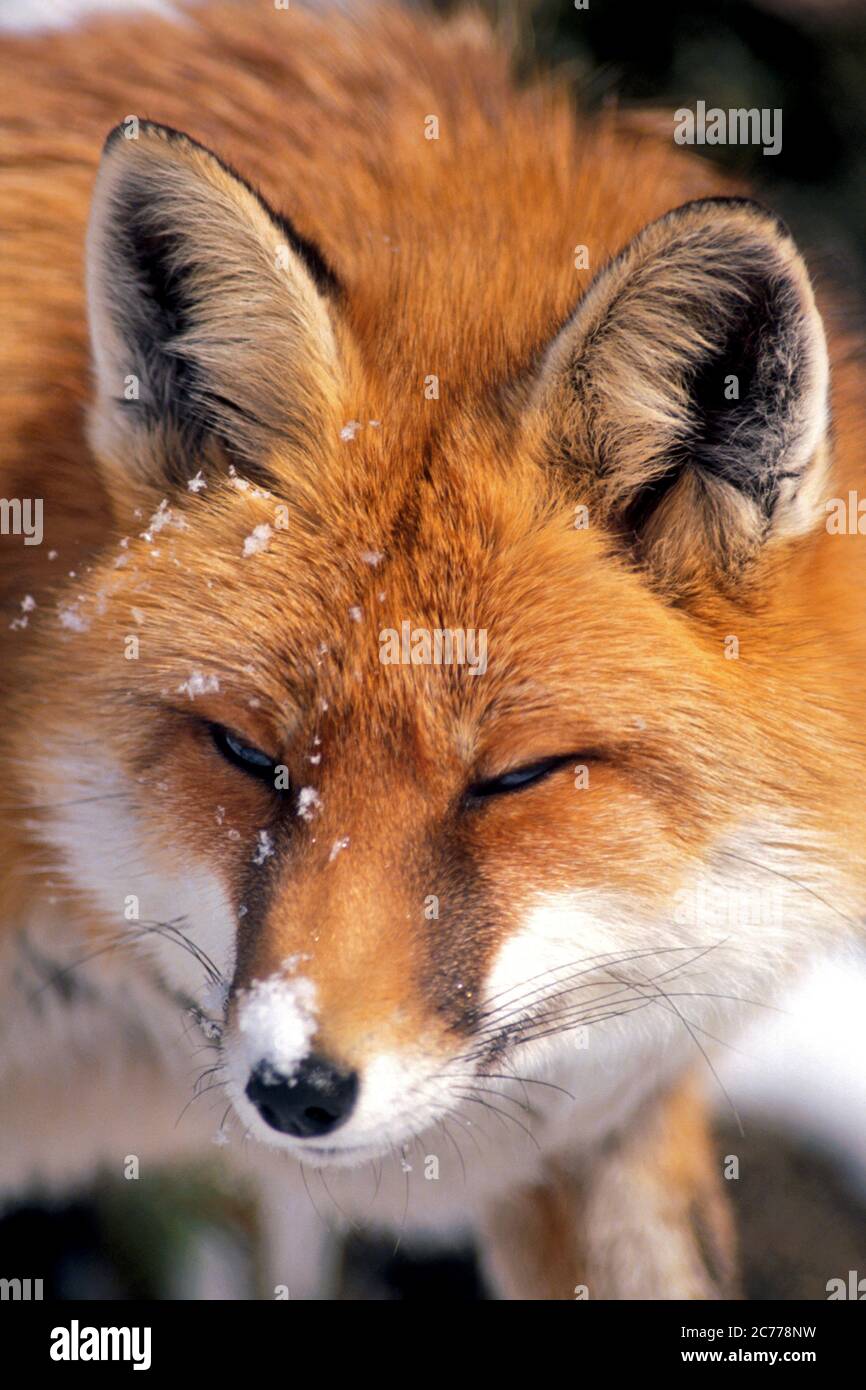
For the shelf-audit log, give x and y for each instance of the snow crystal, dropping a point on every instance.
(309, 802)
(163, 516)
(350, 430)
(355, 613)
(210, 1027)
(28, 603)
(264, 847)
(258, 540)
(70, 617)
(244, 484)
(372, 557)
(197, 483)
(337, 846)
(199, 684)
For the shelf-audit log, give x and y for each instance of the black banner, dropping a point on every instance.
(74, 1339)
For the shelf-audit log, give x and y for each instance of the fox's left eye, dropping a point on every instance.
(518, 779)
(243, 755)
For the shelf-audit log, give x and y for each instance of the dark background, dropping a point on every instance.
(807, 57)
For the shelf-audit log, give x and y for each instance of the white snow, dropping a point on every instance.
(70, 617)
(197, 483)
(244, 485)
(337, 847)
(258, 540)
(28, 603)
(163, 516)
(199, 684)
(350, 430)
(264, 847)
(309, 802)
(276, 1022)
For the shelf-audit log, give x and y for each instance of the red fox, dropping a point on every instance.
(432, 711)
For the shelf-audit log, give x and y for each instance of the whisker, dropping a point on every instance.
(617, 959)
(804, 887)
(699, 1045)
(503, 1114)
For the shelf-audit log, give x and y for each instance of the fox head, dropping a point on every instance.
(397, 722)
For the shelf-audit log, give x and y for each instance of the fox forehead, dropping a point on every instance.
(363, 632)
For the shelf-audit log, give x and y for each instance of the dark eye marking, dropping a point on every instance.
(521, 777)
(250, 760)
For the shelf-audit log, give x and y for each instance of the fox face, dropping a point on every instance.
(415, 751)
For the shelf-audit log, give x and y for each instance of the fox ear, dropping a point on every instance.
(688, 393)
(210, 330)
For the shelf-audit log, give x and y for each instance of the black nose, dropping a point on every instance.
(313, 1101)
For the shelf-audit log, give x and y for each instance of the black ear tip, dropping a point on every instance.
(731, 203)
(116, 133)
(132, 128)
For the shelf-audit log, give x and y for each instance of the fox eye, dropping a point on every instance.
(518, 779)
(250, 760)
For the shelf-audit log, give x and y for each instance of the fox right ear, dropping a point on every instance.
(209, 321)
(686, 398)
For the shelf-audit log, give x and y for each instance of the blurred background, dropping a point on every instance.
(797, 1083)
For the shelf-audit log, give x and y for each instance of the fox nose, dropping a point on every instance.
(314, 1100)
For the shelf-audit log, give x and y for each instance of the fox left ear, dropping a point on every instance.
(210, 317)
(688, 393)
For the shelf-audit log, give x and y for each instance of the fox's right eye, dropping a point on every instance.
(250, 760)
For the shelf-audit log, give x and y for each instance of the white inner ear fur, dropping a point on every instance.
(614, 391)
